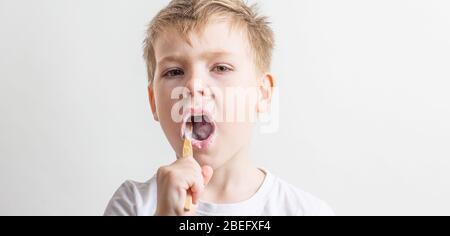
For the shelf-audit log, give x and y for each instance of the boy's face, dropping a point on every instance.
(212, 84)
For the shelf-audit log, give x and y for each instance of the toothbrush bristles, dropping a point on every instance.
(188, 132)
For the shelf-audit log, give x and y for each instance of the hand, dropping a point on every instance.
(175, 180)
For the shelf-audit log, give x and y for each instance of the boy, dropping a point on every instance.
(196, 52)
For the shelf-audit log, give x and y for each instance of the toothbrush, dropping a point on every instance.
(187, 152)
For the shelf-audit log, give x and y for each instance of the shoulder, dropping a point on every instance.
(294, 201)
(133, 199)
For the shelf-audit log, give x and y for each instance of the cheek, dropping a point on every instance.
(237, 96)
(243, 79)
(164, 105)
(163, 99)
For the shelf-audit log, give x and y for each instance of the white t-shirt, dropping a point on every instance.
(275, 197)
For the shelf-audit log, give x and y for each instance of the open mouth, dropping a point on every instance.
(203, 129)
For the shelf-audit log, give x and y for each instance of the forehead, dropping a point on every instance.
(217, 37)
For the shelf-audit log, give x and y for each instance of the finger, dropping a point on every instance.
(189, 163)
(207, 172)
(197, 189)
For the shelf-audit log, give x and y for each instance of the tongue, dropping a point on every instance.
(202, 130)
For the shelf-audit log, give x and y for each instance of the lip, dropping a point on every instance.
(200, 144)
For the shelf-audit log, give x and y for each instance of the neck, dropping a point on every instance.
(235, 181)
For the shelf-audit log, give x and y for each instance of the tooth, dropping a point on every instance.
(198, 119)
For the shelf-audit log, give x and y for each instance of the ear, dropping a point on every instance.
(266, 87)
(151, 99)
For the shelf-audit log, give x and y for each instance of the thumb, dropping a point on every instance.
(207, 172)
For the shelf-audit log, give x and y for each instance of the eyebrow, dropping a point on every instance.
(206, 55)
(213, 54)
(171, 59)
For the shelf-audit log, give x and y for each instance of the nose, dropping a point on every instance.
(197, 86)
(200, 94)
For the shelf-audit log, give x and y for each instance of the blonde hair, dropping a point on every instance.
(188, 15)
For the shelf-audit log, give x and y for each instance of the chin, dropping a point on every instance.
(208, 160)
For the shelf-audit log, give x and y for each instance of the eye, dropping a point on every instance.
(174, 73)
(221, 69)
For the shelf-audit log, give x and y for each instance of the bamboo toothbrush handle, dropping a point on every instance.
(187, 152)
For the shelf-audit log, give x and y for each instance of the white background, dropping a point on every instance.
(364, 119)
